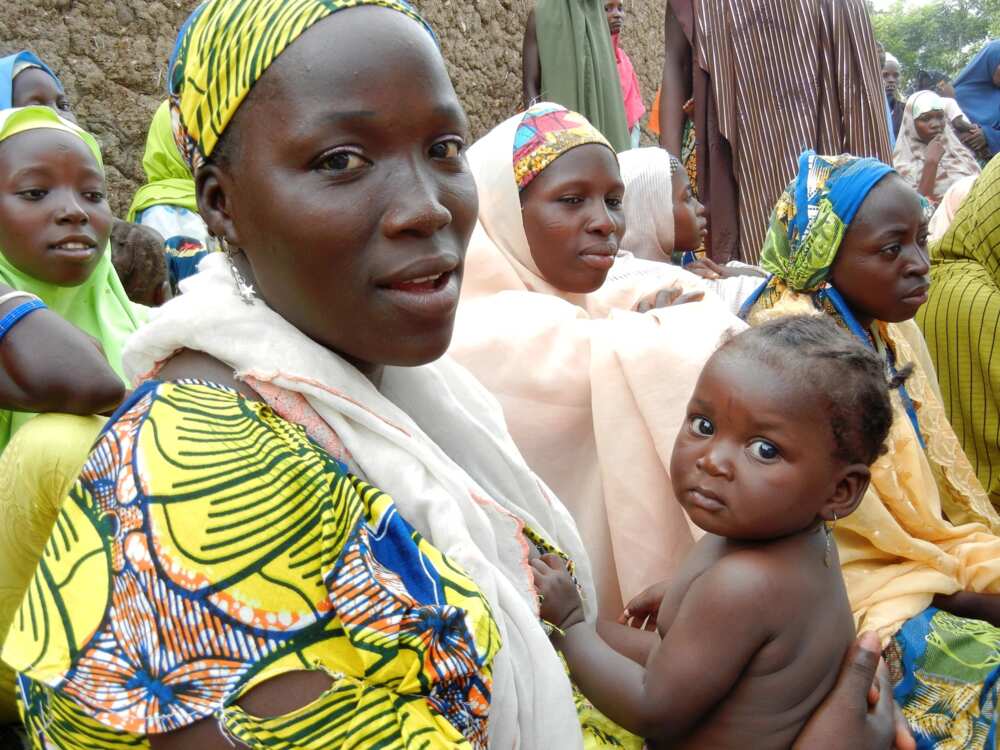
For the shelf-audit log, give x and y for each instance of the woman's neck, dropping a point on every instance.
(371, 371)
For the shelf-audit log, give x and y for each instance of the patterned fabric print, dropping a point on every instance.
(547, 132)
(812, 215)
(945, 671)
(225, 48)
(599, 732)
(209, 545)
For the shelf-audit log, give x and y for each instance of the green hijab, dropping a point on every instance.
(578, 64)
(168, 180)
(98, 306)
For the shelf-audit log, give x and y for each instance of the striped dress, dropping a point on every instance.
(961, 322)
(782, 77)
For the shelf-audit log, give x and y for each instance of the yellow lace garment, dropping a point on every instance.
(898, 550)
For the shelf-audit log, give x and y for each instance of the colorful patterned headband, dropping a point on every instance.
(547, 131)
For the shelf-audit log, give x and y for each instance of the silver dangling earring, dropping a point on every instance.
(243, 289)
(829, 540)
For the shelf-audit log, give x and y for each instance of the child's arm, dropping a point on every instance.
(636, 644)
(971, 605)
(720, 626)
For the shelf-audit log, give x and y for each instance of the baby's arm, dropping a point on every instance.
(722, 622)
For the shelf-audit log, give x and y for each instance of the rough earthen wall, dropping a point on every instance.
(112, 54)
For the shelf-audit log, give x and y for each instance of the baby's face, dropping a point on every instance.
(754, 457)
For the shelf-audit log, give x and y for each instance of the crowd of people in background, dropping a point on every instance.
(356, 433)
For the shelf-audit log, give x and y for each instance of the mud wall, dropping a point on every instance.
(112, 54)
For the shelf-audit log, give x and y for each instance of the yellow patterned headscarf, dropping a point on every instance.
(222, 51)
(547, 131)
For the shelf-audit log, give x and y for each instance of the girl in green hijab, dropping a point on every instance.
(55, 223)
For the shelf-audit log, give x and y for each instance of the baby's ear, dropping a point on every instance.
(849, 492)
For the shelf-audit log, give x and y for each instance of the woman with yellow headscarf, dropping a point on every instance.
(298, 532)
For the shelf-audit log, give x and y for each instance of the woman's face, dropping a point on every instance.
(929, 126)
(882, 266)
(573, 218)
(346, 186)
(690, 221)
(54, 218)
(36, 88)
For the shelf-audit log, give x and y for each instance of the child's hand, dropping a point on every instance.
(672, 295)
(644, 609)
(558, 599)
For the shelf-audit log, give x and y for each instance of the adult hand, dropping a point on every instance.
(974, 139)
(709, 269)
(935, 149)
(668, 297)
(859, 713)
(642, 612)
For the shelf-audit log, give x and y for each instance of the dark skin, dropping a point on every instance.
(882, 267)
(754, 466)
(35, 87)
(882, 270)
(400, 78)
(531, 63)
(54, 225)
(54, 217)
(47, 364)
(303, 162)
(675, 83)
(890, 78)
(573, 221)
(615, 11)
(930, 130)
(573, 218)
(690, 217)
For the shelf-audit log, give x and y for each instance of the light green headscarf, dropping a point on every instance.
(98, 306)
(168, 179)
(578, 64)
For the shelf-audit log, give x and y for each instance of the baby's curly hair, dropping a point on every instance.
(849, 378)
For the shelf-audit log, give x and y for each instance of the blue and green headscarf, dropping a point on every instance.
(811, 217)
(223, 49)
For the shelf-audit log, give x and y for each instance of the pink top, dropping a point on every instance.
(634, 108)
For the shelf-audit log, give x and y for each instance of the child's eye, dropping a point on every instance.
(762, 450)
(343, 161)
(614, 203)
(702, 426)
(450, 149)
(33, 195)
(572, 200)
(95, 196)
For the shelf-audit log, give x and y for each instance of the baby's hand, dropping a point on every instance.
(558, 599)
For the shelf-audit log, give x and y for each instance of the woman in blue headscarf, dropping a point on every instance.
(977, 90)
(26, 81)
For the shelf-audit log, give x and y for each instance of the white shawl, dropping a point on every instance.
(433, 439)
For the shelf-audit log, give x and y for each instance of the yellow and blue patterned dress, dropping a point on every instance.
(210, 545)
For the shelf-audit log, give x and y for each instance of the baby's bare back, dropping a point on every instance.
(789, 676)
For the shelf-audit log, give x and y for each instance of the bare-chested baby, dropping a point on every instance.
(782, 427)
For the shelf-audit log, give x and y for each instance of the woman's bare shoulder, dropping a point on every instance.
(188, 363)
